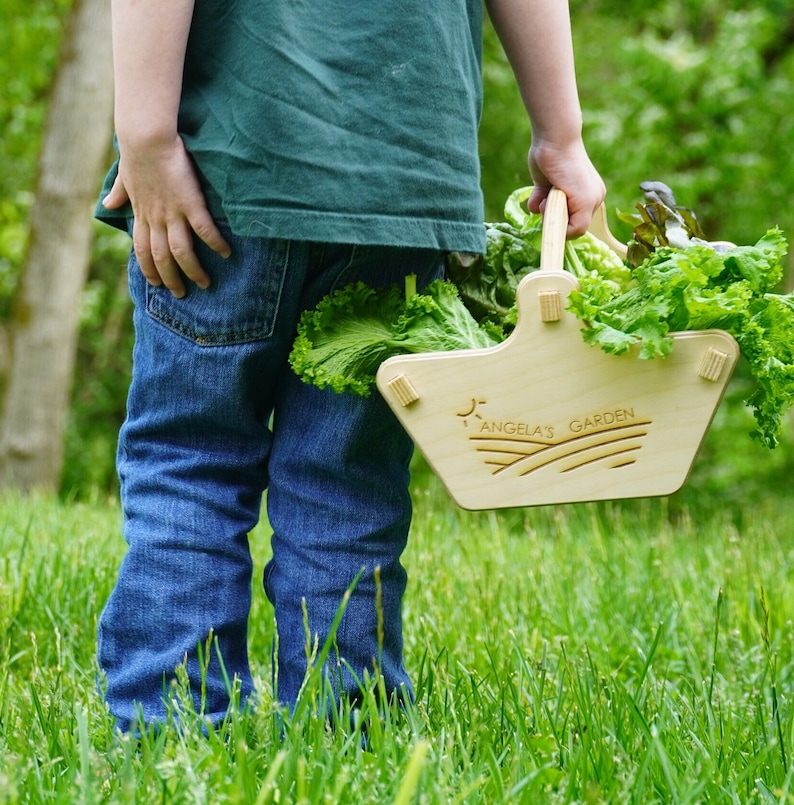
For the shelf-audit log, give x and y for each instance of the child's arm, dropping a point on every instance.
(155, 171)
(536, 36)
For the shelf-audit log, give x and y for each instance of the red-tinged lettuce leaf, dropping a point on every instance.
(661, 223)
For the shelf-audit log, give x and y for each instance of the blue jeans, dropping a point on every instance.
(215, 417)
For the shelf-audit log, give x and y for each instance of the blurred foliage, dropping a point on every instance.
(29, 39)
(693, 93)
(504, 130)
(104, 359)
(696, 95)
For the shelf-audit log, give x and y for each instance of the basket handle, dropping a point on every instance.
(555, 225)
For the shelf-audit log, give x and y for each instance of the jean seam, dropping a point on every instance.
(357, 255)
(230, 339)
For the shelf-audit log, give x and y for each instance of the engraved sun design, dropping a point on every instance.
(471, 411)
(615, 445)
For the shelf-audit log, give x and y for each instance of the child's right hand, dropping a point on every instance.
(567, 167)
(160, 182)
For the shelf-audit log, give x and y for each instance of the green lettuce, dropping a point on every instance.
(487, 283)
(342, 342)
(699, 288)
(678, 281)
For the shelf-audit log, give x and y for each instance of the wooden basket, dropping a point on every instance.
(544, 418)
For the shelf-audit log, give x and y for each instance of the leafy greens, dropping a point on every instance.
(343, 341)
(673, 280)
(698, 287)
(487, 283)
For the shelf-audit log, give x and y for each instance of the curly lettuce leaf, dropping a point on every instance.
(767, 343)
(698, 288)
(588, 256)
(761, 265)
(437, 320)
(342, 342)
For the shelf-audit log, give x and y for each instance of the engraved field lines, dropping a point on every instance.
(613, 446)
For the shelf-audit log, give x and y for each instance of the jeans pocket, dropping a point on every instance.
(242, 302)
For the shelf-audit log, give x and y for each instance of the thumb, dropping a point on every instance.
(117, 197)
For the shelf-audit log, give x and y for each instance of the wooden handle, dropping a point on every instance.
(555, 225)
(599, 227)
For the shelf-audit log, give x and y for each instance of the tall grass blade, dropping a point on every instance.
(410, 780)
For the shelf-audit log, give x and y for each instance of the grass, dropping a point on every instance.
(640, 652)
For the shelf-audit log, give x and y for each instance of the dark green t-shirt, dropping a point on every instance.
(336, 120)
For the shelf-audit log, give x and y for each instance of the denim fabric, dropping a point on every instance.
(215, 416)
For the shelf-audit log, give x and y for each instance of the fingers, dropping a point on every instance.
(156, 258)
(202, 224)
(580, 213)
(568, 168)
(537, 200)
(579, 221)
(583, 203)
(169, 213)
(166, 256)
(581, 206)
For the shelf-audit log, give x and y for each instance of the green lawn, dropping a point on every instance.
(620, 653)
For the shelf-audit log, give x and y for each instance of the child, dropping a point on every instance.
(269, 153)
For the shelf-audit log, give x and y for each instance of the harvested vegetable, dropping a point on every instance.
(680, 282)
(698, 287)
(487, 283)
(661, 222)
(343, 341)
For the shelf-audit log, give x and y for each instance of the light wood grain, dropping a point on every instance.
(544, 418)
(599, 227)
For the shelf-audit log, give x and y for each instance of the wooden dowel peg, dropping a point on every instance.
(712, 364)
(550, 305)
(403, 390)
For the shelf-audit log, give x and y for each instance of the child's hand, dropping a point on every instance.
(161, 184)
(568, 168)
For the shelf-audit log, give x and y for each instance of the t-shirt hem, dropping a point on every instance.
(372, 230)
(327, 227)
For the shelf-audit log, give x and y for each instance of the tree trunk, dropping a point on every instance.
(45, 319)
